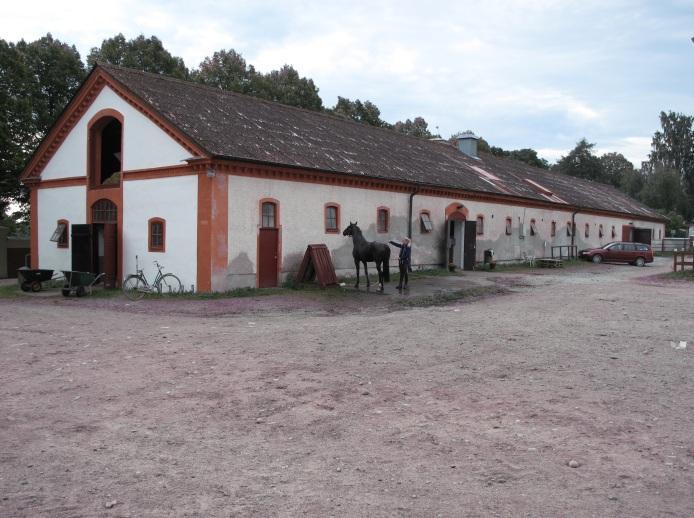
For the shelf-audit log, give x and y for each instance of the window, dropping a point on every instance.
(553, 229)
(332, 218)
(586, 232)
(426, 225)
(614, 232)
(268, 215)
(105, 148)
(480, 225)
(157, 235)
(61, 234)
(382, 220)
(600, 232)
(104, 211)
(533, 227)
(660, 233)
(568, 228)
(509, 226)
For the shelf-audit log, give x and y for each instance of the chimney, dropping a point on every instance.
(467, 143)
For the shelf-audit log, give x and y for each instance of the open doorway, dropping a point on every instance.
(95, 245)
(461, 242)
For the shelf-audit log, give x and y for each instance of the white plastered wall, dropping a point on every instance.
(176, 201)
(54, 204)
(145, 145)
(302, 222)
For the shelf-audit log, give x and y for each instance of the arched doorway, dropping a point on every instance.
(461, 237)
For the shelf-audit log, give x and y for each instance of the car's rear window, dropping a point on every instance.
(642, 248)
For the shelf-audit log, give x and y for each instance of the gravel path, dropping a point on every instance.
(470, 409)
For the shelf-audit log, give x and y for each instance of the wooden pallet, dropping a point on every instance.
(550, 263)
(317, 264)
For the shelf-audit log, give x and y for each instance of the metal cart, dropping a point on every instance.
(30, 279)
(81, 283)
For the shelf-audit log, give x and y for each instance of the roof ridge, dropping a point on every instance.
(232, 93)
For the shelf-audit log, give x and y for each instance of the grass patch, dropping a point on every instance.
(685, 275)
(447, 297)
(10, 292)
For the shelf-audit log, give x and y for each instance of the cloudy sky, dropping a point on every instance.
(530, 73)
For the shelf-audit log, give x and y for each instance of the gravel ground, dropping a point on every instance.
(468, 409)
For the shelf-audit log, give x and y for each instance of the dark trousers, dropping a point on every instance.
(403, 273)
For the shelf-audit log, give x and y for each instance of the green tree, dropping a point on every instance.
(672, 148)
(662, 190)
(416, 128)
(225, 69)
(287, 87)
(616, 170)
(147, 54)
(365, 112)
(581, 162)
(527, 155)
(37, 80)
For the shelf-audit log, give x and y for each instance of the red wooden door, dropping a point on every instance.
(110, 255)
(268, 257)
(627, 232)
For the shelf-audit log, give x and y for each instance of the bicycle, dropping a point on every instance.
(136, 285)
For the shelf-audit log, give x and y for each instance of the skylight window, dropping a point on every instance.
(485, 174)
(545, 192)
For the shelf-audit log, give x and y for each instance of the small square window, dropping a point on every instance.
(426, 224)
(157, 235)
(480, 225)
(331, 218)
(382, 220)
(60, 233)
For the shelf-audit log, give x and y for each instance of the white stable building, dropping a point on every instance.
(227, 190)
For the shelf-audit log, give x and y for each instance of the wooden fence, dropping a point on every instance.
(680, 259)
(669, 244)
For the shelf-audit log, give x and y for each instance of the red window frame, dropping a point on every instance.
(614, 232)
(509, 226)
(568, 229)
(336, 229)
(64, 239)
(480, 224)
(586, 231)
(601, 232)
(533, 227)
(553, 229)
(382, 228)
(151, 245)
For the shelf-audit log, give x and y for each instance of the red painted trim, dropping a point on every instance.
(158, 172)
(95, 128)
(213, 250)
(336, 206)
(80, 103)
(34, 227)
(150, 246)
(66, 243)
(380, 230)
(71, 181)
(457, 211)
(116, 197)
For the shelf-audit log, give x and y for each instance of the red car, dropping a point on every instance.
(619, 252)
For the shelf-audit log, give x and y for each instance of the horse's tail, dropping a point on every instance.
(386, 266)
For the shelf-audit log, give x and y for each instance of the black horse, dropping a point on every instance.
(366, 251)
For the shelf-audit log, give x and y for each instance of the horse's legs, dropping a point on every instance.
(366, 274)
(380, 276)
(356, 264)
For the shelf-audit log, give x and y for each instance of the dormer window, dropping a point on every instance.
(105, 150)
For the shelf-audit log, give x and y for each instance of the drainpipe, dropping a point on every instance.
(573, 231)
(409, 220)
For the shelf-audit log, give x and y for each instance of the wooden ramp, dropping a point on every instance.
(317, 264)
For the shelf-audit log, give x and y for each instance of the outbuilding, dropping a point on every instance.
(226, 190)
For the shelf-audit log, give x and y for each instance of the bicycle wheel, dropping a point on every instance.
(169, 284)
(134, 287)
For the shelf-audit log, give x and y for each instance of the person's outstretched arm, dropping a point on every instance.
(395, 243)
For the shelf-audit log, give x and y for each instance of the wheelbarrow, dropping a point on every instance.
(31, 279)
(81, 283)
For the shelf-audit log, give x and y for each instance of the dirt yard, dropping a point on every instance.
(335, 408)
